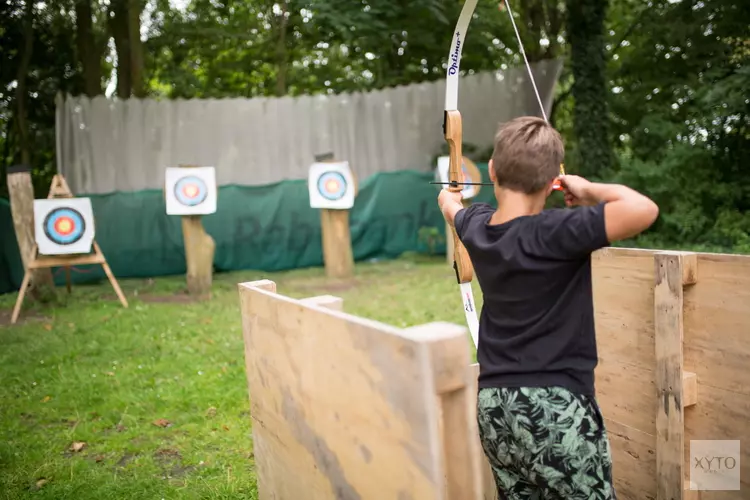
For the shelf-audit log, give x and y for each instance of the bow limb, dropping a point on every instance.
(452, 127)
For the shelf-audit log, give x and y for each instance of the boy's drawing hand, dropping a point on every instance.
(576, 191)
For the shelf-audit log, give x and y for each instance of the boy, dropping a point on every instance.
(540, 425)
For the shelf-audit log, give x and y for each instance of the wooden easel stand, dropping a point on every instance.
(60, 189)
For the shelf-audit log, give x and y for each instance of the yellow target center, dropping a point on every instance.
(64, 225)
(191, 190)
(332, 185)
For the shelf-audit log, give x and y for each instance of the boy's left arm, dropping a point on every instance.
(450, 204)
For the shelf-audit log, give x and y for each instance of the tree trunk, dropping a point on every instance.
(590, 116)
(282, 63)
(27, 48)
(89, 54)
(136, 48)
(118, 25)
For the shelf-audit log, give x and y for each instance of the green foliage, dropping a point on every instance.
(682, 119)
(664, 83)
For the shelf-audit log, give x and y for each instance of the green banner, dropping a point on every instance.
(270, 228)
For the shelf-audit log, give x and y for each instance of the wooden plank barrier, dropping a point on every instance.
(361, 410)
(674, 364)
(347, 408)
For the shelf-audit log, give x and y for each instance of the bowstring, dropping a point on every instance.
(528, 68)
(525, 60)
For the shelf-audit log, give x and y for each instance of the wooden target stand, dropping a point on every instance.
(199, 253)
(60, 189)
(474, 176)
(338, 257)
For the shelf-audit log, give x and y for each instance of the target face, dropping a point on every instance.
(331, 185)
(190, 190)
(63, 226)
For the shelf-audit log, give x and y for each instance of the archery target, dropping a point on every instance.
(470, 174)
(191, 191)
(331, 185)
(63, 226)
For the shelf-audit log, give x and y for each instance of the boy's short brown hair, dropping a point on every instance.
(527, 155)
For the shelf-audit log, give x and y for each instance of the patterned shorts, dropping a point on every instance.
(545, 443)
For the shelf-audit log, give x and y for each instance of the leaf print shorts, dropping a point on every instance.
(545, 443)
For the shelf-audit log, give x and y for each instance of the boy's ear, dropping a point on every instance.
(492, 172)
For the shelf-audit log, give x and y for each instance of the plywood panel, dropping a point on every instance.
(634, 461)
(623, 285)
(717, 349)
(627, 394)
(717, 323)
(347, 404)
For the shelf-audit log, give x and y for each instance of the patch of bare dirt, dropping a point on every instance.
(23, 318)
(170, 460)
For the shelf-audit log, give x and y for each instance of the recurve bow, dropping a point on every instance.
(453, 130)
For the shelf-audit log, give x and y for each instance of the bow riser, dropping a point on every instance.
(453, 135)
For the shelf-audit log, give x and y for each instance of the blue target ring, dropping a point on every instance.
(64, 226)
(190, 191)
(332, 186)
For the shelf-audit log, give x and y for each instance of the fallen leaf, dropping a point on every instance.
(211, 412)
(99, 458)
(48, 327)
(224, 368)
(46, 398)
(121, 428)
(206, 321)
(162, 422)
(209, 341)
(71, 325)
(225, 427)
(111, 374)
(41, 482)
(77, 446)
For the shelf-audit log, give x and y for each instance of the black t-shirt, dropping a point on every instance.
(536, 328)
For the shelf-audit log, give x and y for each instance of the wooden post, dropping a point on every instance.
(338, 256)
(672, 271)
(199, 254)
(21, 191)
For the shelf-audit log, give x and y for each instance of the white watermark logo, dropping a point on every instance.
(714, 465)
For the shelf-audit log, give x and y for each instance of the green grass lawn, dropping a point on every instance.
(157, 392)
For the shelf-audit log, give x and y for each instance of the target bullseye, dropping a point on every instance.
(64, 226)
(190, 191)
(332, 185)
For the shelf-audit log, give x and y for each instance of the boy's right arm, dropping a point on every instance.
(626, 211)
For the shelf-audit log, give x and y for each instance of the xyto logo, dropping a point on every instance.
(713, 465)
